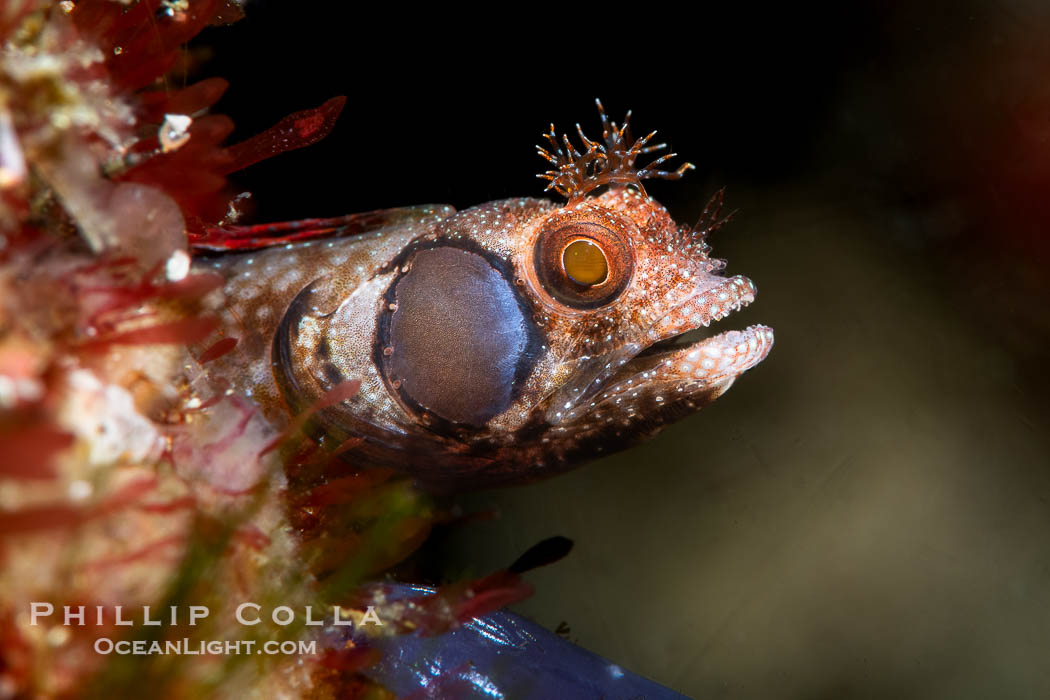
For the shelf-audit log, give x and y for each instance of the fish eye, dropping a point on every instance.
(585, 262)
(583, 265)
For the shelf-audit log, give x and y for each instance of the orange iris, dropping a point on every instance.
(585, 262)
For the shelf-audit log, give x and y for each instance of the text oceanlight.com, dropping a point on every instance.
(190, 647)
(247, 614)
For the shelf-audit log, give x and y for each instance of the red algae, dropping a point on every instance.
(294, 131)
(217, 350)
(130, 478)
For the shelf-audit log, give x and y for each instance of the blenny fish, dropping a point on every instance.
(499, 344)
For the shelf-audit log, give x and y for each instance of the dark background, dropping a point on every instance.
(867, 514)
(442, 109)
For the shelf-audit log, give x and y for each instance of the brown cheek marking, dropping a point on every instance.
(283, 355)
(261, 286)
(253, 305)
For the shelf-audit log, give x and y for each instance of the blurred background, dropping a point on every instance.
(867, 513)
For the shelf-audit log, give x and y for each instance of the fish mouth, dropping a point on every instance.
(677, 365)
(684, 349)
(712, 359)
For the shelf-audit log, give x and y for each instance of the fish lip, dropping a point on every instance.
(630, 368)
(710, 359)
(723, 356)
(677, 382)
(707, 304)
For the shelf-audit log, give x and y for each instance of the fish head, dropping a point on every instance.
(520, 337)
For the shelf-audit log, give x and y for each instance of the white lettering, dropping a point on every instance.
(79, 615)
(145, 618)
(338, 620)
(309, 617)
(198, 612)
(287, 618)
(37, 609)
(240, 613)
(120, 619)
(370, 616)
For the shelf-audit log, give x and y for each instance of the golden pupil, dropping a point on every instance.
(585, 263)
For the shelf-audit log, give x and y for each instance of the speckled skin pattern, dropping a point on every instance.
(310, 315)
